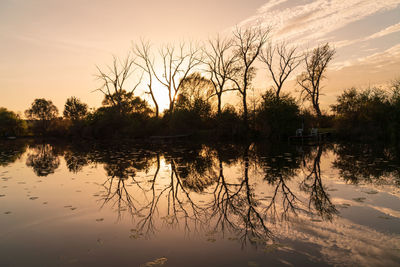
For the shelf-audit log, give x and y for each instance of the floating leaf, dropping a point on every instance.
(371, 192)
(273, 247)
(135, 235)
(33, 198)
(359, 199)
(157, 262)
(99, 219)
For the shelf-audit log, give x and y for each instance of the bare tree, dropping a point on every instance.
(220, 63)
(287, 61)
(248, 45)
(177, 65)
(142, 51)
(114, 80)
(310, 80)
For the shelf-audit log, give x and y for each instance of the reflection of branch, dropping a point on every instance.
(235, 208)
(124, 200)
(318, 197)
(289, 200)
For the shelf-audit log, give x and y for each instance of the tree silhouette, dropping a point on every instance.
(220, 61)
(43, 111)
(248, 45)
(281, 61)
(74, 109)
(310, 80)
(114, 81)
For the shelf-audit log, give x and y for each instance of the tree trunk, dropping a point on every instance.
(219, 104)
(245, 115)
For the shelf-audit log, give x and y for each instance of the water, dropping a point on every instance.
(198, 205)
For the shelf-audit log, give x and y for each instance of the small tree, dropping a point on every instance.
(310, 80)
(277, 116)
(43, 112)
(74, 109)
(130, 104)
(196, 87)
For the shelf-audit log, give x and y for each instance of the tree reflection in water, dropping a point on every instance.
(10, 151)
(43, 159)
(370, 163)
(186, 188)
(312, 184)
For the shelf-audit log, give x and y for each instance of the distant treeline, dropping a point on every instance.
(198, 78)
(366, 115)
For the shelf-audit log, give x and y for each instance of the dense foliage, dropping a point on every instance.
(369, 114)
(11, 124)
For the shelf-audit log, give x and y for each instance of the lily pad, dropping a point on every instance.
(359, 199)
(273, 247)
(371, 192)
(158, 262)
(135, 235)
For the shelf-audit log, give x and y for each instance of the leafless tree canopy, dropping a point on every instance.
(248, 45)
(177, 64)
(114, 80)
(221, 65)
(310, 80)
(281, 61)
(146, 63)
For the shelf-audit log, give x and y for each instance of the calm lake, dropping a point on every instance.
(198, 205)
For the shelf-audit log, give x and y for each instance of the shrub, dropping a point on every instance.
(277, 117)
(11, 124)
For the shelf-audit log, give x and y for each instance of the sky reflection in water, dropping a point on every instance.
(198, 205)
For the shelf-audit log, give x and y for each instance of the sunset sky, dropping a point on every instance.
(49, 49)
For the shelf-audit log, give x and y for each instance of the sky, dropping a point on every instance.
(50, 48)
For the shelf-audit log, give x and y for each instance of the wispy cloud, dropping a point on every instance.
(315, 20)
(389, 56)
(388, 30)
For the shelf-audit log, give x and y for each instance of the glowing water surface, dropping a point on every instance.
(198, 205)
